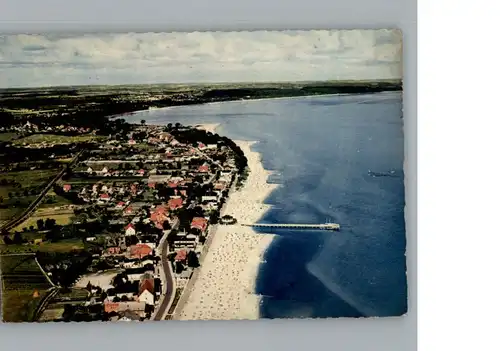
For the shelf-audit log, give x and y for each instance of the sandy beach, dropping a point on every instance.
(225, 284)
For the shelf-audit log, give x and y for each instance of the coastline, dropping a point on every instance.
(225, 284)
(252, 100)
(208, 127)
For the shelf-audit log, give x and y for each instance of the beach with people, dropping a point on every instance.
(224, 287)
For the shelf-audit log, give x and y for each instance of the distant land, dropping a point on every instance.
(73, 102)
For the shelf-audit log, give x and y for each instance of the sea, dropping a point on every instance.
(337, 158)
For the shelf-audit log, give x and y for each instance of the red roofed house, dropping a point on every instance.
(201, 146)
(133, 189)
(152, 185)
(199, 223)
(104, 197)
(113, 250)
(158, 216)
(146, 291)
(181, 256)
(140, 172)
(140, 251)
(67, 187)
(203, 169)
(175, 203)
(120, 205)
(172, 184)
(128, 211)
(220, 186)
(134, 306)
(111, 307)
(130, 229)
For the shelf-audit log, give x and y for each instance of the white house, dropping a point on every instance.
(129, 229)
(89, 170)
(208, 198)
(146, 297)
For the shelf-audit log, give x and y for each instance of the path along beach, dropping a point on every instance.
(225, 284)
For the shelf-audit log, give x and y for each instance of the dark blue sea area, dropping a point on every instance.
(337, 158)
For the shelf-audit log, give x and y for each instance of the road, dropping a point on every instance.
(169, 294)
(32, 207)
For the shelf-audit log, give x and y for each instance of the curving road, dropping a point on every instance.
(169, 294)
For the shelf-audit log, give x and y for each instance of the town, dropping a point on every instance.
(118, 225)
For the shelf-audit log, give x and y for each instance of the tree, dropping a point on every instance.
(18, 238)
(143, 121)
(50, 223)
(7, 240)
(39, 224)
(192, 259)
(32, 228)
(178, 267)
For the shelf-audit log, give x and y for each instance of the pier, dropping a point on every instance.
(324, 226)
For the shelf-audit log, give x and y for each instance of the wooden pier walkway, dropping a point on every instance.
(325, 226)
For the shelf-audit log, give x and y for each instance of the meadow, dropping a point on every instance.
(23, 287)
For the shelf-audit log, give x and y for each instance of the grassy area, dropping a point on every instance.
(8, 136)
(62, 217)
(178, 294)
(61, 246)
(19, 189)
(56, 139)
(29, 179)
(53, 200)
(67, 245)
(24, 285)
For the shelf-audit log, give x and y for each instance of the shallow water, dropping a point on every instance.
(340, 159)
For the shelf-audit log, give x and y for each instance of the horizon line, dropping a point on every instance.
(370, 81)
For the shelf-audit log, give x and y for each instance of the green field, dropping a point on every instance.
(13, 196)
(28, 179)
(21, 278)
(8, 136)
(55, 139)
(62, 217)
(66, 245)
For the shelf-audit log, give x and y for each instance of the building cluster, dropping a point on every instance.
(29, 128)
(154, 198)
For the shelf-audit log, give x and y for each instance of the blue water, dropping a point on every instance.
(337, 158)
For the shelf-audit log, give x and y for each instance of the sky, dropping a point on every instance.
(199, 57)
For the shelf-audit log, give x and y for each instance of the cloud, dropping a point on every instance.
(197, 57)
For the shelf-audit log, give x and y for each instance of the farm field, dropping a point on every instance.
(18, 181)
(55, 139)
(19, 189)
(55, 309)
(66, 245)
(23, 287)
(8, 136)
(61, 216)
